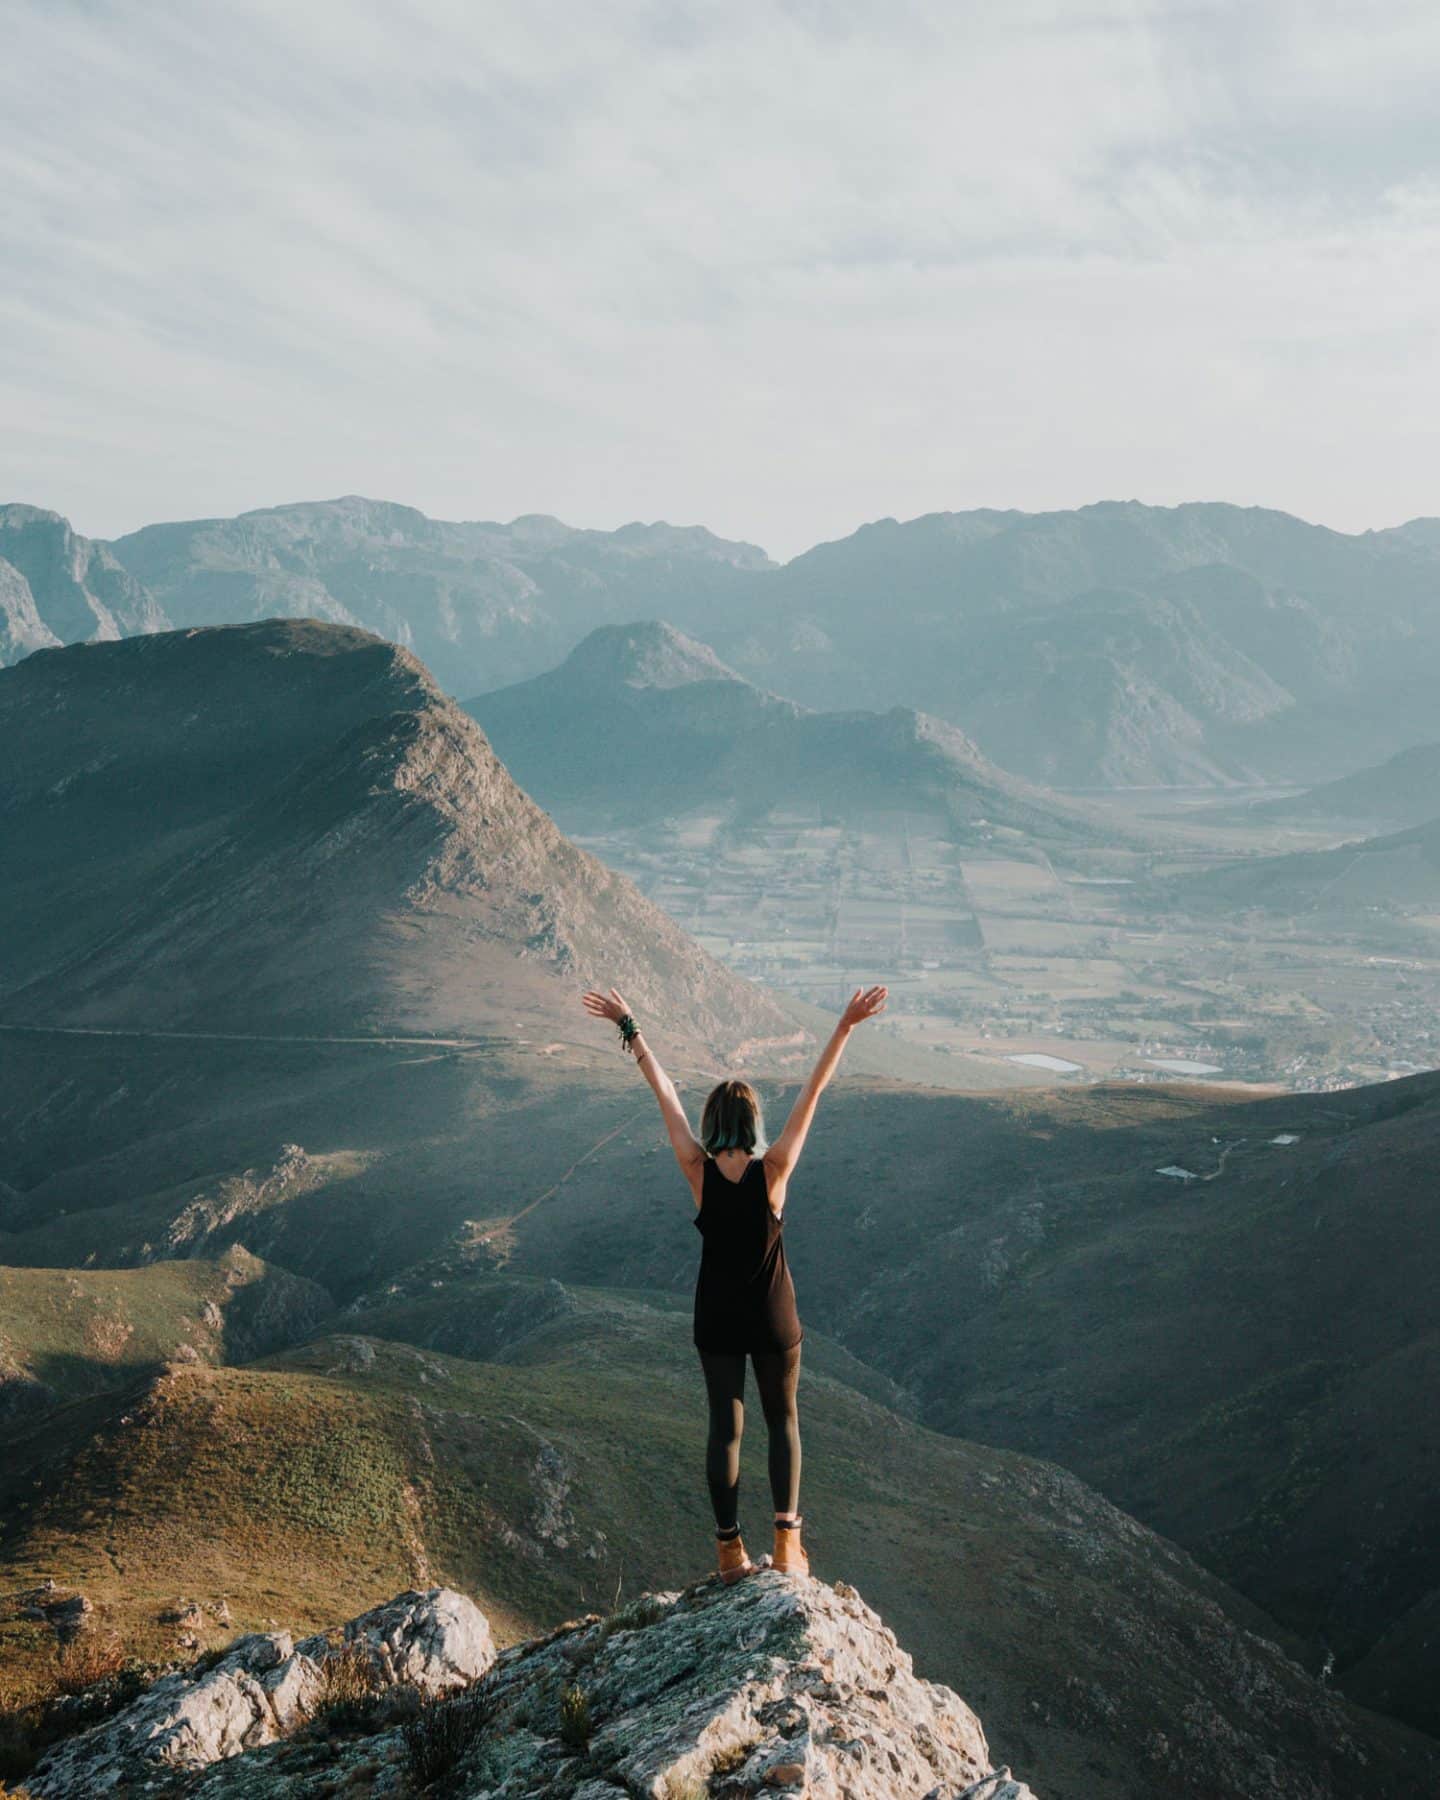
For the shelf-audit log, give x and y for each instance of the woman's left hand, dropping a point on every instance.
(605, 1006)
(865, 1003)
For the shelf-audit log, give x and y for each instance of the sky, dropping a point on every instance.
(777, 269)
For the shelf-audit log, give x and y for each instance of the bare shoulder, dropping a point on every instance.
(777, 1179)
(777, 1163)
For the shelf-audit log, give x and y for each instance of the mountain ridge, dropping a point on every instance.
(339, 849)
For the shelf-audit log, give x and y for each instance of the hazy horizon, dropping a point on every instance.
(777, 271)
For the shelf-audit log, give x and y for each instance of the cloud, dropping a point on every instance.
(776, 267)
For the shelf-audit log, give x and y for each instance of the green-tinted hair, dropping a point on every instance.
(732, 1120)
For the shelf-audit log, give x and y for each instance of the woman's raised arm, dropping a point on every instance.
(683, 1142)
(784, 1153)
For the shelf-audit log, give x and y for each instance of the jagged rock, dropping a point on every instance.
(262, 1689)
(432, 1641)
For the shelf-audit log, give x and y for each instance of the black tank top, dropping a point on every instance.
(744, 1297)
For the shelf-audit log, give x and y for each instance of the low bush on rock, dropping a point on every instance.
(442, 1733)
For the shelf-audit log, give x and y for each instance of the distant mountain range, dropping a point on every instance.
(1117, 644)
(641, 721)
(287, 827)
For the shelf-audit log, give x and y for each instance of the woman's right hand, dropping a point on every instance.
(865, 1003)
(605, 1006)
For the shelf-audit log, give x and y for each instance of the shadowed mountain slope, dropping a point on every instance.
(641, 721)
(286, 827)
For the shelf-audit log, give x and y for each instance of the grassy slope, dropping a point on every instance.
(303, 1487)
(78, 1331)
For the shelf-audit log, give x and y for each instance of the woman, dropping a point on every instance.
(744, 1298)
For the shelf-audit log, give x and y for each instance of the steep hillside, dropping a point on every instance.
(59, 588)
(480, 603)
(21, 627)
(287, 828)
(563, 1468)
(641, 721)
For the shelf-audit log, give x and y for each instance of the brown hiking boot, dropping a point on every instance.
(790, 1557)
(734, 1564)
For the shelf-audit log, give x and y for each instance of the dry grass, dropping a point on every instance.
(349, 1686)
(88, 1659)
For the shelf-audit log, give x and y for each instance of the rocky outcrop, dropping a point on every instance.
(771, 1687)
(265, 1687)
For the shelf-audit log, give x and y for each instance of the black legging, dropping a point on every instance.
(777, 1372)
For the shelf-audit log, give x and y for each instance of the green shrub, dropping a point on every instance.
(576, 1724)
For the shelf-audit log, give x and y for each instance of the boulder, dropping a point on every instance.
(431, 1641)
(263, 1688)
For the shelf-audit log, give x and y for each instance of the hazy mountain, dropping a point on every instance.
(59, 588)
(21, 627)
(1403, 790)
(1218, 639)
(287, 827)
(480, 603)
(641, 721)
